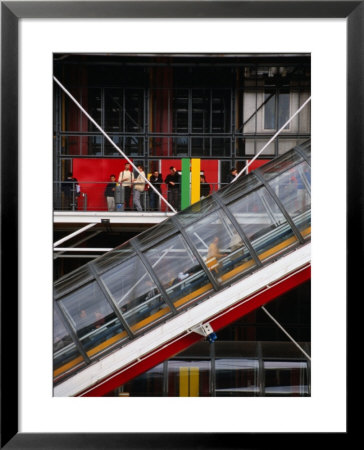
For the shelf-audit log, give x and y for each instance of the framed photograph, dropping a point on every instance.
(33, 34)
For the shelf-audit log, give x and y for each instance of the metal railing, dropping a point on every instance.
(92, 196)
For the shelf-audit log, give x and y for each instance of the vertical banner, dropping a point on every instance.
(195, 180)
(185, 183)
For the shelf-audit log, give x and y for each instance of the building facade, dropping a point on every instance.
(160, 110)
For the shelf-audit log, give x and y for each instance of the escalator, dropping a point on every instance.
(184, 279)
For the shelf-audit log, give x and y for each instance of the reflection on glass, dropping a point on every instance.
(135, 293)
(236, 377)
(197, 211)
(280, 165)
(220, 246)
(148, 384)
(285, 378)
(293, 189)
(178, 270)
(64, 350)
(189, 378)
(263, 223)
(113, 257)
(71, 280)
(92, 317)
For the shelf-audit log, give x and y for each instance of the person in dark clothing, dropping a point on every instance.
(71, 191)
(232, 175)
(156, 180)
(173, 182)
(110, 193)
(204, 187)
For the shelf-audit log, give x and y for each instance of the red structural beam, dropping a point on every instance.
(224, 318)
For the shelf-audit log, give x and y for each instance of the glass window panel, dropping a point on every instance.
(160, 146)
(149, 384)
(134, 110)
(236, 377)
(197, 211)
(94, 144)
(221, 113)
(114, 120)
(156, 234)
(109, 149)
(81, 145)
(161, 117)
(221, 147)
(92, 104)
(73, 120)
(70, 145)
(180, 111)
(178, 271)
(113, 257)
(286, 378)
(180, 146)
(220, 246)
(283, 109)
(263, 223)
(189, 378)
(239, 187)
(249, 112)
(135, 293)
(72, 280)
(65, 353)
(200, 146)
(293, 190)
(271, 107)
(92, 317)
(201, 99)
(269, 111)
(134, 146)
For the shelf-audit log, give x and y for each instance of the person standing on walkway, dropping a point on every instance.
(232, 175)
(110, 193)
(126, 179)
(156, 181)
(139, 187)
(173, 182)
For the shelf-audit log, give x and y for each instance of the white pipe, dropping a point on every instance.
(285, 332)
(113, 143)
(80, 242)
(272, 139)
(81, 249)
(74, 234)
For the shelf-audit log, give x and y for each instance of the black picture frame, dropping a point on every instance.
(11, 13)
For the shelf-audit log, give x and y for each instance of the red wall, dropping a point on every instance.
(255, 164)
(93, 176)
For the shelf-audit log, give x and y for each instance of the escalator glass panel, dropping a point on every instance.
(96, 324)
(293, 188)
(65, 353)
(220, 246)
(178, 271)
(135, 293)
(263, 223)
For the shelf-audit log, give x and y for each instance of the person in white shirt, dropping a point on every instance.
(139, 186)
(126, 179)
